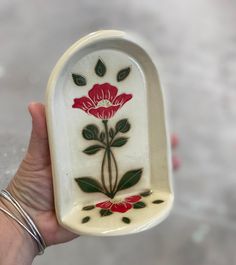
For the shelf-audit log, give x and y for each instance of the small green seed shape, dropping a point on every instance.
(158, 201)
(85, 219)
(126, 220)
(88, 208)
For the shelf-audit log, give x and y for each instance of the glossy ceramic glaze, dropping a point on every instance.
(108, 137)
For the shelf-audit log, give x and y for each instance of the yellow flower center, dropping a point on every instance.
(116, 201)
(104, 103)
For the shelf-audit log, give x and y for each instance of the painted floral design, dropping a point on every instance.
(119, 206)
(122, 206)
(102, 101)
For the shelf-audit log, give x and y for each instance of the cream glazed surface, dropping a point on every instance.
(108, 137)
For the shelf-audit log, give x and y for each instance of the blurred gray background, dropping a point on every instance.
(196, 46)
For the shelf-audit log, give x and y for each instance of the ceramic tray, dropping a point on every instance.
(108, 137)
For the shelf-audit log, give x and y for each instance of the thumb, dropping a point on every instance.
(38, 145)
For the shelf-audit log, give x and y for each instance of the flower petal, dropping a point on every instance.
(104, 113)
(133, 199)
(122, 99)
(103, 91)
(104, 205)
(83, 103)
(121, 207)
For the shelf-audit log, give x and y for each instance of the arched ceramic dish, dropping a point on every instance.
(108, 137)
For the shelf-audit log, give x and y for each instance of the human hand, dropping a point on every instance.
(32, 185)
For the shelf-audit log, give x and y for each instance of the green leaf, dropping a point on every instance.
(129, 179)
(79, 80)
(88, 184)
(93, 149)
(111, 133)
(100, 68)
(118, 142)
(102, 136)
(85, 219)
(122, 74)
(105, 212)
(88, 208)
(146, 193)
(126, 220)
(139, 205)
(123, 126)
(158, 201)
(90, 132)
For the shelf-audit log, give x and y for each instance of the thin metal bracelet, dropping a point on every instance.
(19, 222)
(19, 209)
(7, 195)
(27, 219)
(32, 230)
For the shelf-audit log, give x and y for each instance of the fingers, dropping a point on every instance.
(37, 112)
(38, 146)
(175, 162)
(174, 140)
(175, 159)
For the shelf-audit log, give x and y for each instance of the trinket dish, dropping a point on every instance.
(108, 138)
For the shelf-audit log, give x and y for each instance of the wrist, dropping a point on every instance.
(37, 215)
(17, 246)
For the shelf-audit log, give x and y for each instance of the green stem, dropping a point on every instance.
(108, 151)
(102, 173)
(116, 168)
(113, 138)
(100, 141)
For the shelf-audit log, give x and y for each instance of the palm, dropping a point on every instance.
(32, 185)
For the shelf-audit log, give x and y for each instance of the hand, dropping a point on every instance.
(32, 185)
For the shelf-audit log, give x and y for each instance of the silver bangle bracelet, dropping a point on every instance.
(31, 229)
(20, 223)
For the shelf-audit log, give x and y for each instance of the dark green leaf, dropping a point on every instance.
(88, 184)
(123, 126)
(85, 219)
(126, 220)
(158, 201)
(105, 212)
(90, 132)
(111, 133)
(146, 193)
(122, 74)
(79, 80)
(100, 68)
(102, 136)
(93, 149)
(139, 205)
(129, 179)
(88, 208)
(119, 141)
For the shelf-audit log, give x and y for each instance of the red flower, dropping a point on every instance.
(119, 206)
(102, 102)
